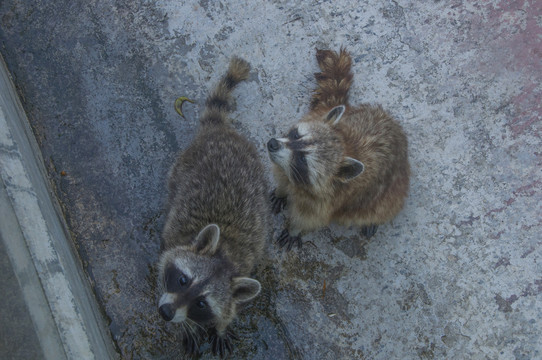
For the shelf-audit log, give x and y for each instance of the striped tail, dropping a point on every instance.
(218, 104)
(334, 81)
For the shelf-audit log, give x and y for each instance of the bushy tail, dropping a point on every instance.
(218, 103)
(334, 81)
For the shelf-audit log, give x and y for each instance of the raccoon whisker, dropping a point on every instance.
(295, 172)
(192, 332)
(184, 332)
(183, 329)
(189, 331)
(187, 327)
(198, 325)
(319, 173)
(190, 339)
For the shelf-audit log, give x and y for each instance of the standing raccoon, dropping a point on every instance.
(216, 225)
(340, 163)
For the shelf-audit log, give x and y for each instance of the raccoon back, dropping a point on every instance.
(372, 135)
(219, 179)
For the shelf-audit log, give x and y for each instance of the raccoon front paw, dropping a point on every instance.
(285, 239)
(369, 230)
(190, 344)
(277, 203)
(221, 344)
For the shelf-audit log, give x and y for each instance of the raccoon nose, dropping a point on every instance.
(167, 312)
(273, 145)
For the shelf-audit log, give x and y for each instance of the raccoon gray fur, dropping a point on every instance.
(340, 163)
(216, 225)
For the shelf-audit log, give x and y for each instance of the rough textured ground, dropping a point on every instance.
(18, 337)
(457, 274)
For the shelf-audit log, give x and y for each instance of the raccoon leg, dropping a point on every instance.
(220, 344)
(369, 230)
(286, 239)
(300, 222)
(278, 203)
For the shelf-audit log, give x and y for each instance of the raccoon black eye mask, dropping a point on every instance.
(175, 279)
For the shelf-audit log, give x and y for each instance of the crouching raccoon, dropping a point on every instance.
(340, 163)
(216, 226)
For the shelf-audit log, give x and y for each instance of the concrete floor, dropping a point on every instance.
(456, 275)
(18, 338)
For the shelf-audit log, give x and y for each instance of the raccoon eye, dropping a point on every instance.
(294, 134)
(201, 304)
(183, 280)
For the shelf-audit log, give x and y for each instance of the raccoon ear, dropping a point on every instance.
(350, 169)
(207, 240)
(245, 289)
(335, 114)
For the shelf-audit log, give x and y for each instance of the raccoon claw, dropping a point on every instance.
(222, 344)
(369, 230)
(190, 345)
(285, 239)
(277, 203)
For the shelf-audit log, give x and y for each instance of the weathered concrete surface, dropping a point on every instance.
(18, 337)
(47, 307)
(456, 275)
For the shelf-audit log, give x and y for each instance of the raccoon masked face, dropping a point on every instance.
(186, 296)
(198, 282)
(312, 153)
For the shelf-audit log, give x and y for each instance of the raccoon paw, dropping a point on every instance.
(221, 344)
(277, 203)
(369, 231)
(190, 344)
(285, 239)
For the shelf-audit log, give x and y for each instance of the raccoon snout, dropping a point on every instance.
(273, 145)
(167, 312)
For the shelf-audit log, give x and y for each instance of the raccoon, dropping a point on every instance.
(340, 163)
(216, 225)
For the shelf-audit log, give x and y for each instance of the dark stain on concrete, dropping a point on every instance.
(533, 289)
(412, 295)
(504, 261)
(469, 221)
(505, 305)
